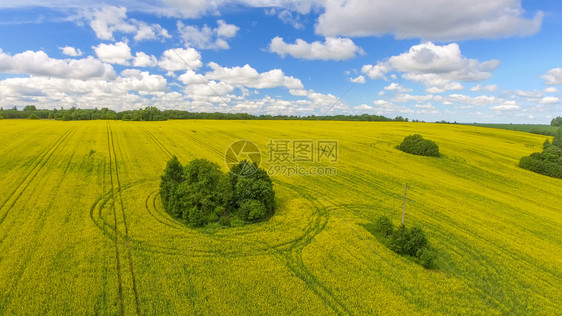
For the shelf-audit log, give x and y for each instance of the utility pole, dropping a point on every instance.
(404, 204)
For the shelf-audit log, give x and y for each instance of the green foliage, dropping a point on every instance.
(549, 161)
(172, 178)
(417, 145)
(557, 141)
(252, 210)
(206, 189)
(557, 121)
(1, 117)
(200, 194)
(426, 258)
(33, 117)
(403, 241)
(540, 129)
(154, 114)
(384, 226)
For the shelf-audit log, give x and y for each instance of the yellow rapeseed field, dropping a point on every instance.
(83, 231)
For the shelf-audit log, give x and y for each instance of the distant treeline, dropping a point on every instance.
(154, 114)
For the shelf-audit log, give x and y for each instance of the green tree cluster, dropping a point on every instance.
(557, 121)
(417, 145)
(154, 114)
(411, 242)
(199, 193)
(549, 161)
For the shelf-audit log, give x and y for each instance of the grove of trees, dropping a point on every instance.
(154, 114)
(199, 193)
(557, 121)
(549, 161)
(417, 145)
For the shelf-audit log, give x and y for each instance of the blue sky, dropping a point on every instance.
(465, 60)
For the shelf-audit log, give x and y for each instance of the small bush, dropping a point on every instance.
(33, 117)
(426, 258)
(411, 242)
(417, 145)
(384, 226)
(398, 240)
(1, 117)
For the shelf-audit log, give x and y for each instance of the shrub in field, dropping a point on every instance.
(33, 117)
(417, 145)
(411, 242)
(549, 161)
(384, 226)
(1, 117)
(200, 193)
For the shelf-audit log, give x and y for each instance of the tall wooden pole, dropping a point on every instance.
(404, 204)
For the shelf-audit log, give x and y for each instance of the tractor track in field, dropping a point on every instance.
(113, 165)
(291, 254)
(163, 218)
(28, 179)
(159, 144)
(23, 185)
(23, 265)
(202, 143)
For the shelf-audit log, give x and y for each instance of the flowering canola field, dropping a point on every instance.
(82, 229)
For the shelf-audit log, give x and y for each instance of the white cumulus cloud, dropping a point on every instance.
(439, 68)
(429, 20)
(180, 59)
(118, 53)
(247, 76)
(553, 76)
(206, 37)
(40, 64)
(107, 20)
(550, 100)
(331, 49)
(71, 51)
(489, 88)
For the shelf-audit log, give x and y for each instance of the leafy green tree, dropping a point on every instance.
(205, 188)
(249, 182)
(552, 154)
(33, 117)
(172, 178)
(29, 108)
(557, 121)
(252, 210)
(1, 117)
